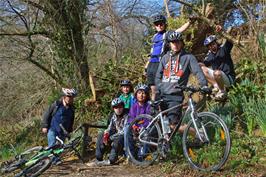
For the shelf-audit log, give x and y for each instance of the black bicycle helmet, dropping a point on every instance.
(174, 36)
(125, 82)
(158, 18)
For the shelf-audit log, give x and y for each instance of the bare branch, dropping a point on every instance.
(45, 33)
(166, 8)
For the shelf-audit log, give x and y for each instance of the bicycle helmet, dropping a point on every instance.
(174, 36)
(141, 86)
(158, 18)
(117, 102)
(125, 82)
(209, 40)
(69, 92)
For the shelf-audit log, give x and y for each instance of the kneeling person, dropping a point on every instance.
(113, 137)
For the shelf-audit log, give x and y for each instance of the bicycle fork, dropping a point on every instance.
(194, 117)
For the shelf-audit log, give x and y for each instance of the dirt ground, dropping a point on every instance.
(71, 169)
(79, 169)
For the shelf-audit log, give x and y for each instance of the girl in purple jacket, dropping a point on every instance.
(142, 106)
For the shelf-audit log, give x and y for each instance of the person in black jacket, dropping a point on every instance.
(222, 73)
(60, 112)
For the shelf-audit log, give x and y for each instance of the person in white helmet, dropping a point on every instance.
(60, 112)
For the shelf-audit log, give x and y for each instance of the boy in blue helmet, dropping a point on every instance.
(113, 137)
(159, 48)
(222, 73)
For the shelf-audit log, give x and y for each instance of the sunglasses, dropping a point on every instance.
(159, 23)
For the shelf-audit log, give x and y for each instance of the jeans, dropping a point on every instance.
(116, 147)
(51, 138)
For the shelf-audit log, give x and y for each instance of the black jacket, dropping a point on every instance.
(222, 60)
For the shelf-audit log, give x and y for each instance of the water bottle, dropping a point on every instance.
(166, 126)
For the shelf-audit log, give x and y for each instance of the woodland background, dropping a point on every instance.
(93, 44)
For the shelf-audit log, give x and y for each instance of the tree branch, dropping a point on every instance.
(45, 33)
(211, 23)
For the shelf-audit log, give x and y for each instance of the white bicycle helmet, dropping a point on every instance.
(141, 86)
(116, 102)
(69, 92)
(209, 40)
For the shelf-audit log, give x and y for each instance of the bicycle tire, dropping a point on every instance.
(37, 168)
(217, 149)
(20, 159)
(134, 147)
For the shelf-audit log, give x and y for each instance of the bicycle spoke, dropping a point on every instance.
(212, 153)
(142, 141)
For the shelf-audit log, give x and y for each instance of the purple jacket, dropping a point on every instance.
(136, 110)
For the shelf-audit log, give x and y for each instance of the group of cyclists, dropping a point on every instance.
(169, 66)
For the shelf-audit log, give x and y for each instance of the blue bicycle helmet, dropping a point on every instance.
(117, 102)
(158, 18)
(125, 82)
(209, 40)
(174, 36)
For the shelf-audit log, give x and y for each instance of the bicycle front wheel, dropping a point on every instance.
(211, 153)
(142, 140)
(37, 168)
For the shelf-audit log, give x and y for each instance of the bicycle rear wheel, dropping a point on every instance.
(211, 154)
(37, 168)
(20, 160)
(142, 153)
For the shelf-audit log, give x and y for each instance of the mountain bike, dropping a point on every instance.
(206, 141)
(36, 160)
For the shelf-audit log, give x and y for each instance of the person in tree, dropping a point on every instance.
(127, 95)
(113, 137)
(60, 112)
(222, 72)
(159, 49)
(174, 70)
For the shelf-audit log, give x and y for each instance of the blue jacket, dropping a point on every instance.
(159, 46)
(56, 114)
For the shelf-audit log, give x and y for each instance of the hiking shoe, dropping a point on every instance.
(103, 162)
(201, 134)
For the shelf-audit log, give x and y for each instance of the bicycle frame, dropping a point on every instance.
(159, 118)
